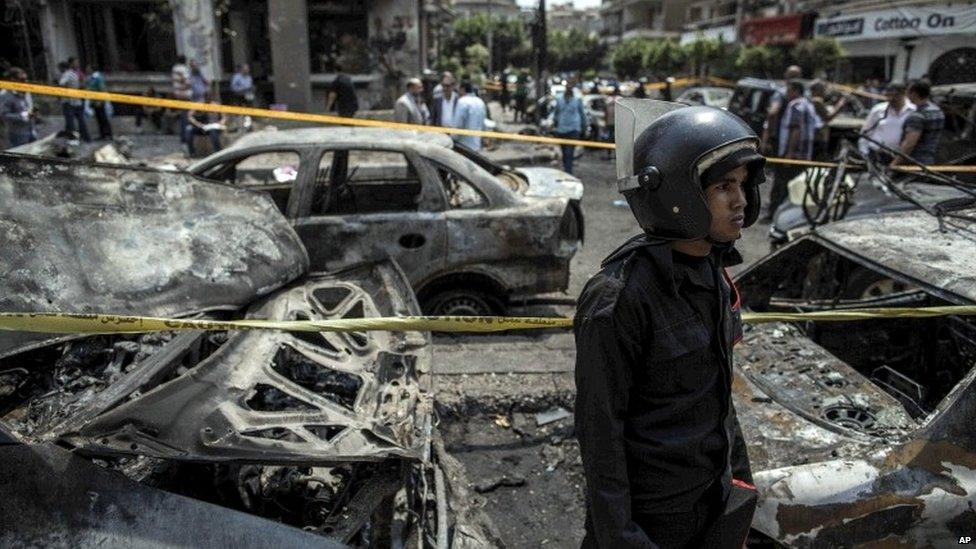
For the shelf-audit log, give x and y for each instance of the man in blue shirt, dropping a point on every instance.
(569, 119)
(469, 114)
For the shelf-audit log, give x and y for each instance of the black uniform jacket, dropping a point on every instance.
(654, 415)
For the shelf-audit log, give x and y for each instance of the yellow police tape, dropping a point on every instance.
(67, 323)
(41, 89)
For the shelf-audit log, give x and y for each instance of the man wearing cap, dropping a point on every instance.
(662, 452)
(410, 107)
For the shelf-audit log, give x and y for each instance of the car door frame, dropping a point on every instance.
(299, 186)
(430, 209)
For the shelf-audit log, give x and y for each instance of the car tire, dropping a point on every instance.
(462, 303)
(867, 284)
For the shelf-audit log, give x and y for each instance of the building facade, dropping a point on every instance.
(904, 40)
(565, 17)
(497, 8)
(625, 19)
(295, 48)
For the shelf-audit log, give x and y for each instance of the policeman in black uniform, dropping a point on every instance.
(654, 334)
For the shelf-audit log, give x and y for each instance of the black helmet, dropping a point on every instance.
(670, 161)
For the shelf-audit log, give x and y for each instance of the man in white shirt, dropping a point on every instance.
(885, 123)
(446, 106)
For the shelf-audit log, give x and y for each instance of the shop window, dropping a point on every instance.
(125, 36)
(337, 34)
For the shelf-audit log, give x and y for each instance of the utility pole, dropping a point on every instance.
(541, 49)
(491, 31)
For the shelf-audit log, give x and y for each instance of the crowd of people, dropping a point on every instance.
(906, 126)
(460, 108)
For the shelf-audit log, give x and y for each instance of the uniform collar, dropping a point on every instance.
(659, 250)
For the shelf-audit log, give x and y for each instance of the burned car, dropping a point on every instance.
(468, 240)
(863, 433)
(225, 438)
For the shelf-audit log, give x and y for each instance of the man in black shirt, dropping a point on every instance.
(342, 95)
(655, 329)
(923, 128)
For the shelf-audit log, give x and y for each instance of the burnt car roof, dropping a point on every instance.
(915, 245)
(97, 238)
(330, 135)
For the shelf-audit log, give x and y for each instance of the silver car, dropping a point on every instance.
(470, 236)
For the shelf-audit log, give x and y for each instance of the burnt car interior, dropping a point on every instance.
(916, 361)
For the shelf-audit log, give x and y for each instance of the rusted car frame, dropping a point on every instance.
(863, 433)
(468, 240)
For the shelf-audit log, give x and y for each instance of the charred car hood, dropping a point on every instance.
(551, 183)
(94, 238)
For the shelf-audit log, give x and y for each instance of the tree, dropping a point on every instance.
(702, 52)
(665, 57)
(759, 61)
(508, 38)
(628, 57)
(816, 55)
(477, 56)
(575, 51)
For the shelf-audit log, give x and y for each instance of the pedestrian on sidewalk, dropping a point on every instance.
(825, 112)
(506, 95)
(72, 109)
(885, 124)
(521, 96)
(445, 107)
(662, 451)
(242, 88)
(205, 123)
(923, 128)
(410, 107)
(470, 115)
(342, 95)
(199, 85)
(18, 111)
(101, 109)
(570, 121)
(180, 78)
(797, 131)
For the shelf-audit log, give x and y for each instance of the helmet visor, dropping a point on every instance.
(631, 118)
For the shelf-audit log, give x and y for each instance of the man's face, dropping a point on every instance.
(416, 90)
(727, 203)
(896, 97)
(448, 88)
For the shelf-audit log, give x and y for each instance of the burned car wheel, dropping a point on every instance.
(462, 303)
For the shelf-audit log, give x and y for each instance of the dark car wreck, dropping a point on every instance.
(863, 433)
(202, 438)
(468, 239)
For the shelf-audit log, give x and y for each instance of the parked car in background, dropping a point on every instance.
(469, 240)
(709, 96)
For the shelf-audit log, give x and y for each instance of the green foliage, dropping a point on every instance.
(446, 63)
(509, 39)
(817, 54)
(703, 52)
(665, 58)
(761, 61)
(573, 50)
(477, 56)
(627, 57)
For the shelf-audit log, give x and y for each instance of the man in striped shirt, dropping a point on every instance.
(797, 131)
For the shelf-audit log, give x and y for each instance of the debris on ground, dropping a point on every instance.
(551, 416)
(493, 484)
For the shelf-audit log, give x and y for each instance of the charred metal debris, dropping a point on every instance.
(328, 433)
